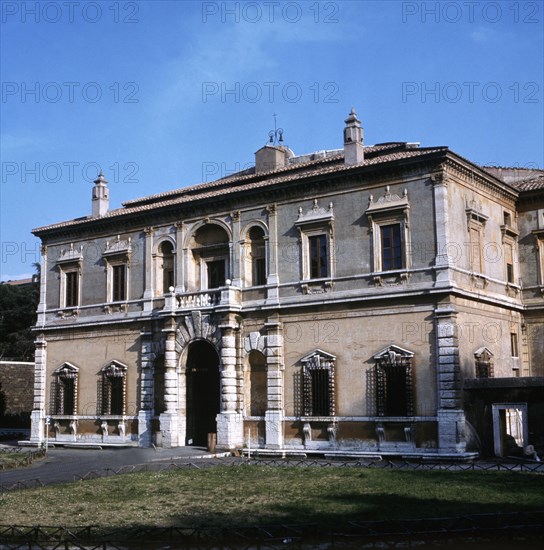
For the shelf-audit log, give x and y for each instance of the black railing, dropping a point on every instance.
(383, 533)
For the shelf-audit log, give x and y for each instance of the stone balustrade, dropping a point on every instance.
(225, 296)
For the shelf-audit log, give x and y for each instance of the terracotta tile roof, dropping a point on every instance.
(374, 156)
(250, 174)
(530, 184)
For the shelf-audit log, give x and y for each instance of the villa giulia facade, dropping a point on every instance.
(331, 302)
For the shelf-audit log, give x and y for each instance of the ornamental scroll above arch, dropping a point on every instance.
(197, 326)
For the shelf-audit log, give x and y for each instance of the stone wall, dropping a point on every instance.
(17, 386)
(481, 394)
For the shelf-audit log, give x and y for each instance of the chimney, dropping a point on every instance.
(353, 140)
(101, 196)
(271, 157)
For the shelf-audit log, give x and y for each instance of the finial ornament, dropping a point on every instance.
(275, 136)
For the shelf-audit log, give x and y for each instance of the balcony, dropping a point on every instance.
(227, 297)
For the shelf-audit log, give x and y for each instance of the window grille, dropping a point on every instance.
(394, 391)
(65, 391)
(113, 398)
(483, 363)
(318, 385)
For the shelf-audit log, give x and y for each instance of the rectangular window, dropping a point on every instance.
(509, 257)
(167, 279)
(72, 289)
(318, 256)
(68, 394)
(216, 273)
(514, 344)
(117, 404)
(320, 392)
(391, 248)
(259, 271)
(476, 249)
(394, 387)
(318, 385)
(119, 283)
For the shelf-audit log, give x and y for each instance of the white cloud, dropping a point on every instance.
(482, 34)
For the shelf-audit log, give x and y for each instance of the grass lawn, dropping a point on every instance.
(15, 460)
(251, 495)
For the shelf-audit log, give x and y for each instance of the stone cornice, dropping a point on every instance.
(478, 179)
(290, 189)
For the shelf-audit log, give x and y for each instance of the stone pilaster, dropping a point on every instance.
(169, 420)
(451, 417)
(145, 413)
(275, 387)
(37, 431)
(148, 259)
(235, 274)
(273, 276)
(42, 306)
(442, 259)
(180, 258)
(230, 433)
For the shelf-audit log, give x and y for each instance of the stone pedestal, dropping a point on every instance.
(230, 430)
(274, 429)
(451, 431)
(144, 429)
(37, 427)
(170, 430)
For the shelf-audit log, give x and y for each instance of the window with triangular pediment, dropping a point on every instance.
(318, 384)
(394, 390)
(113, 389)
(64, 390)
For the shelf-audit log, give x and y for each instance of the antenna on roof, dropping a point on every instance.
(276, 135)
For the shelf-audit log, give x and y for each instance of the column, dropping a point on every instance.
(179, 270)
(275, 370)
(42, 306)
(273, 277)
(145, 435)
(148, 259)
(235, 250)
(169, 420)
(230, 431)
(442, 260)
(37, 431)
(451, 417)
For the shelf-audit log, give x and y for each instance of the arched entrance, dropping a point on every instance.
(202, 392)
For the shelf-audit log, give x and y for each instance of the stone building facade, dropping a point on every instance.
(331, 302)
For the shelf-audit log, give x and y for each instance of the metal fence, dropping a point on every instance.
(536, 467)
(23, 458)
(372, 534)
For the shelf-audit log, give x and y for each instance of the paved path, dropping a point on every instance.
(65, 464)
(62, 464)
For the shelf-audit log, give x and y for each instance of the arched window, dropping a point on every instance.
(113, 389)
(256, 257)
(165, 267)
(256, 384)
(65, 390)
(211, 257)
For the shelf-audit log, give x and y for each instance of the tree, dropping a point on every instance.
(18, 304)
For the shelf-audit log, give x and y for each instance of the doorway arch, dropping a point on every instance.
(203, 391)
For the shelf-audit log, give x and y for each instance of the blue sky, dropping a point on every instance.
(164, 94)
